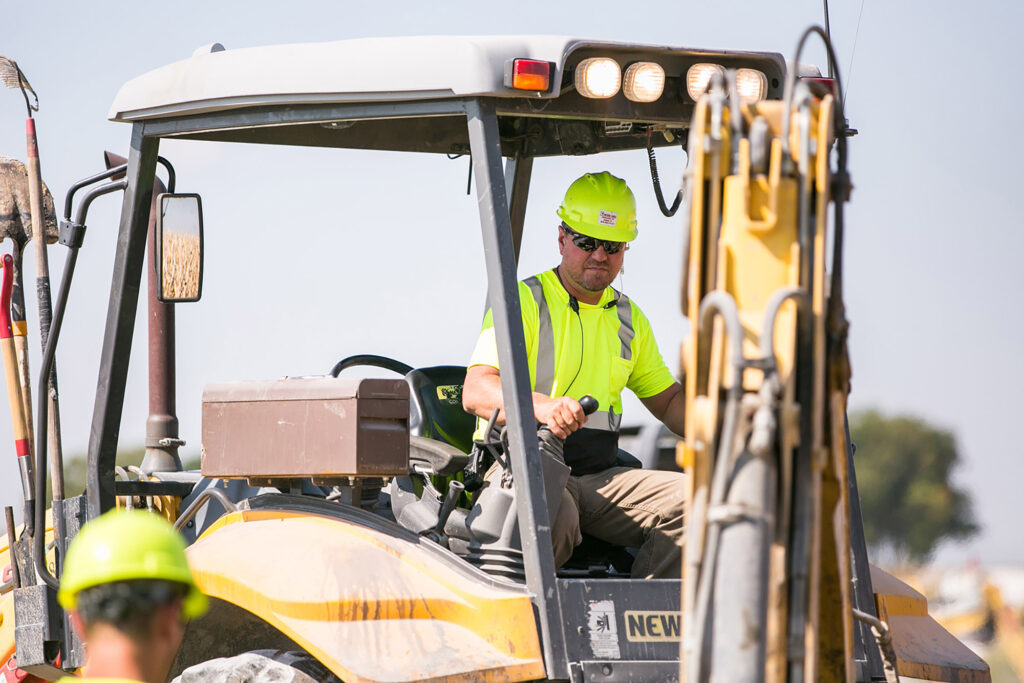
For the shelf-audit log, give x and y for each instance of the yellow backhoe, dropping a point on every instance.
(391, 562)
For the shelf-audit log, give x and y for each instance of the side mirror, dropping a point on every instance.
(179, 247)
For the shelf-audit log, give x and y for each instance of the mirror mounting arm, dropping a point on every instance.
(72, 234)
(75, 232)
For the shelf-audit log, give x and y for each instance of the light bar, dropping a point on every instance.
(598, 78)
(644, 82)
(751, 85)
(528, 74)
(698, 77)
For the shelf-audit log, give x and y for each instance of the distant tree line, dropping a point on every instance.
(909, 501)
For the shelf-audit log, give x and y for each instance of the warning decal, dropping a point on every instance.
(604, 634)
(652, 627)
(607, 218)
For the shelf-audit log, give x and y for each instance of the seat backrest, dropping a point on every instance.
(435, 406)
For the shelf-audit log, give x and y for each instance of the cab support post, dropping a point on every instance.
(518, 170)
(534, 525)
(117, 339)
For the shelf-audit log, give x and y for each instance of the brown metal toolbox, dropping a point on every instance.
(321, 427)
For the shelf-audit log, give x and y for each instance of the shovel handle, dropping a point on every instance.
(21, 441)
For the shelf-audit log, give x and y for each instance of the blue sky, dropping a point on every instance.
(313, 255)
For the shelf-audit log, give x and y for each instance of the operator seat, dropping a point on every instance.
(441, 431)
(441, 436)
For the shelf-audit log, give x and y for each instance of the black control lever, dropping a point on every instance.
(589, 405)
(551, 444)
(451, 498)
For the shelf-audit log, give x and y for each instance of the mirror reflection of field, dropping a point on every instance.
(983, 606)
(180, 266)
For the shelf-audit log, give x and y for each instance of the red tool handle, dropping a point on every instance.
(21, 441)
(5, 297)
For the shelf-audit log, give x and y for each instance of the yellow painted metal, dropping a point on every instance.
(369, 605)
(924, 649)
(167, 507)
(704, 177)
(745, 240)
(759, 254)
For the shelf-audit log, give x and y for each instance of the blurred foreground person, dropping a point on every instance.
(129, 591)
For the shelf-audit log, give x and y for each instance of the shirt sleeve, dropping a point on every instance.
(650, 375)
(486, 350)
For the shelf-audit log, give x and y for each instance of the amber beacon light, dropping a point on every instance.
(528, 74)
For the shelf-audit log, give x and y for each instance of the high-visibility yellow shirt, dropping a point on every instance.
(602, 349)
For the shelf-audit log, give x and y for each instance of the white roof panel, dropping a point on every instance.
(364, 69)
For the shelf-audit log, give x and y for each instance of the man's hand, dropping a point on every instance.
(562, 415)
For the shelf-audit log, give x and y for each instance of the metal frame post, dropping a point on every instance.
(121, 311)
(518, 170)
(866, 655)
(534, 525)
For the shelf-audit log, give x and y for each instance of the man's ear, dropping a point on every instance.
(562, 238)
(169, 618)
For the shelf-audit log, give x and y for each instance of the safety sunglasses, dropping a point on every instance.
(589, 244)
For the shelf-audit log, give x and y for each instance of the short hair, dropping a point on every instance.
(128, 606)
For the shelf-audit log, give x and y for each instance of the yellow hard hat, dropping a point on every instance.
(601, 206)
(125, 546)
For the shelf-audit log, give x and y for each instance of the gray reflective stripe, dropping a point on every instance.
(545, 339)
(625, 311)
(605, 420)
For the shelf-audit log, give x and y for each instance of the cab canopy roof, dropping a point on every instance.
(231, 94)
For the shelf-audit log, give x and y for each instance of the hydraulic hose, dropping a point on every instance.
(717, 303)
(722, 304)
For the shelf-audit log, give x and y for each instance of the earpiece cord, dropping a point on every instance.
(575, 306)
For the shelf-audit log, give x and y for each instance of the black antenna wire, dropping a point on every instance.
(828, 36)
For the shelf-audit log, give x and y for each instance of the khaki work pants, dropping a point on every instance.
(627, 507)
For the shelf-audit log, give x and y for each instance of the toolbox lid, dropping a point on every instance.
(306, 388)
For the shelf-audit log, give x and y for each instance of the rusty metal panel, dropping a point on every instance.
(322, 426)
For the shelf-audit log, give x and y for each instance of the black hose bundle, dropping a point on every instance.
(665, 209)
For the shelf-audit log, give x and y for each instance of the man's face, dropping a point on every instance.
(588, 271)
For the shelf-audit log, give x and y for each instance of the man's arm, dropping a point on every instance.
(481, 394)
(669, 406)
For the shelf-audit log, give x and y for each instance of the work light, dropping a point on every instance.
(698, 77)
(751, 85)
(598, 77)
(644, 82)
